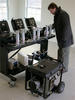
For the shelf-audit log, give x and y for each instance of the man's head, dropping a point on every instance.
(52, 8)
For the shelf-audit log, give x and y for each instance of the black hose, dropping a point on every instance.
(15, 53)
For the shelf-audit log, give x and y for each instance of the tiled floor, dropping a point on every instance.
(19, 93)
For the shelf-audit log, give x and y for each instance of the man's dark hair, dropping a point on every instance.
(52, 6)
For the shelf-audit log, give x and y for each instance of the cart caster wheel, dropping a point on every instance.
(12, 83)
(60, 87)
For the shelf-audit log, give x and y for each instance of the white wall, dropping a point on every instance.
(67, 5)
(17, 9)
(12, 10)
(21, 8)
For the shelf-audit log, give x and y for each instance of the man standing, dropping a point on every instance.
(63, 33)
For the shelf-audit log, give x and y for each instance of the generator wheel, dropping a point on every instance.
(60, 87)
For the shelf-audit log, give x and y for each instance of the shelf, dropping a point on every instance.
(18, 70)
(27, 43)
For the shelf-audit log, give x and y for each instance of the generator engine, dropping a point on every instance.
(36, 84)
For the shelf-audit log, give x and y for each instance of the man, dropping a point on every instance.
(63, 33)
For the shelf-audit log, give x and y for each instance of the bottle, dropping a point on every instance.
(50, 31)
(26, 60)
(17, 38)
(38, 33)
(23, 36)
(34, 33)
(47, 32)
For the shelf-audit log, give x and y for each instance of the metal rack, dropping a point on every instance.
(5, 50)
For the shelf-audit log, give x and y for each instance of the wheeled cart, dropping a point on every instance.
(5, 49)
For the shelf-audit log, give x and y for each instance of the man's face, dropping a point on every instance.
(52, 11)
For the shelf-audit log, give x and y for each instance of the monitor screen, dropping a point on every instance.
(4, 27)
(17, 24)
